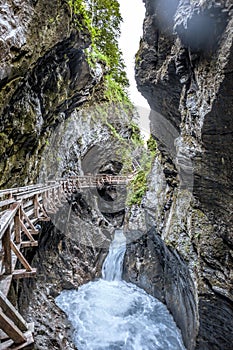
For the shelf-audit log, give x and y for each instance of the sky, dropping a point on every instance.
(133, 12)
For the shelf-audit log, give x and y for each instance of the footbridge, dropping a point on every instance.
(21, 209)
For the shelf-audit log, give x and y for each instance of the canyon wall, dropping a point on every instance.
(44, 77)
(56, 121)
(182, 249)
(184, 68)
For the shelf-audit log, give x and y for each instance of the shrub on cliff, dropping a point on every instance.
(102, 19)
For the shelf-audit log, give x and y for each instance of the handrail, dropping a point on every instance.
(92, 179)
(20, 209)
(18, 189)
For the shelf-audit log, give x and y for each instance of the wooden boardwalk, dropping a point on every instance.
(21, 209)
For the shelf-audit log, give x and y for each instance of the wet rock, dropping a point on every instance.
(160, 271)
(188, 84)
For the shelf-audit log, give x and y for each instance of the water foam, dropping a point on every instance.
(110, 314)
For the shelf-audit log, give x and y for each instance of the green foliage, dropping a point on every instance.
(136, 135)
(152, 145)
(138, 186)
(102, 19)
(114, 131)
(115, 92)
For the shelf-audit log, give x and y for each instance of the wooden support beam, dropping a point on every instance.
(7, 259)
(26, 231)
(28, 344)
(25, 216)
(17, 274)
(42, 209)
(28, 244)
(11, 329)
(3, 336)
(11, 312)
(20, 256)
(6, 344)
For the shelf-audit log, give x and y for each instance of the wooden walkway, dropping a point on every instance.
(20, 211)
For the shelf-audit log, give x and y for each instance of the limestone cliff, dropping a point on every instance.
(44, 77)
(184, 70)
(56, 119)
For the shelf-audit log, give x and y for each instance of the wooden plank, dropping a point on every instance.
(3, 336)
(13, 314)
(30, 212)
(20, 256)
(7, 202)
(28, 244)
(28, 203)
(7, 259)
(42, 209)
(11, 329)
(6, 344)
(9, 344)
(29, 341)
(7, 218)
(24, 273)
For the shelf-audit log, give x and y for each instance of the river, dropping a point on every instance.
(111, 314)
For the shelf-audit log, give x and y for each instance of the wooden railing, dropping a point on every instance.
(20, 211)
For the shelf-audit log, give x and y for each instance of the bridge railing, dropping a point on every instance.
(21, 209)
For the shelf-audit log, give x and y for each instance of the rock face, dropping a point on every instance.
(51, 126)
(184, 70)
(161, 272)
(44, 76)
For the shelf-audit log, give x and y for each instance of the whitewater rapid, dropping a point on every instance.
(110, 314)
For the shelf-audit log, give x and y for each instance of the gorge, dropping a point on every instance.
(64, 111)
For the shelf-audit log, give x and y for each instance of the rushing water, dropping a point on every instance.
(110, 314)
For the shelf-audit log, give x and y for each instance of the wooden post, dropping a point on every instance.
(20, 257)
(11, 329)
(36, 206)
(17, 226)
(11, 312)
(6, 239)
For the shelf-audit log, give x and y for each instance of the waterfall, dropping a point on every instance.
(113, 264)
(109, 313)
